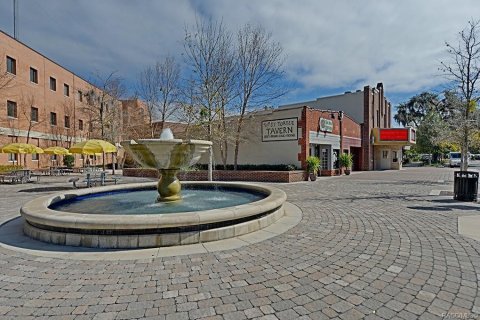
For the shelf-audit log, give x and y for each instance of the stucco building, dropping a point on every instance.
(354, 122)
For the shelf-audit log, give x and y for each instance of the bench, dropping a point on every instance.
(89, 182)
(10, 178)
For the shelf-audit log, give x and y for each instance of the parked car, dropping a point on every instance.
(455, 159)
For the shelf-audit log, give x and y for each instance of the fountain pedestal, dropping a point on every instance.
(168, 186)
(168, 156)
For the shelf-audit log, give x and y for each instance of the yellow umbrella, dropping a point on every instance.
(56, 150)
(18, 147)
(93, 146)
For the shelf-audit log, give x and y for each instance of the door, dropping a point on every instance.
(385, 162)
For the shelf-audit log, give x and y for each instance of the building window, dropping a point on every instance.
(53, 84)
(34, 114)
(67, 122)
(324, 155)
(80, 96)
(385, 154)
(90, 127)
(66, 90)
(12, 157)
(53, 157)
(11, 65)
(11, 109)
(53, 118)
(34, 156)
(33, 75)
(80, 125)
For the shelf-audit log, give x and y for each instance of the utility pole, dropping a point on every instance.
(15, 19)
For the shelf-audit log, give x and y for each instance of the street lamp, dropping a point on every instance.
(340, 120)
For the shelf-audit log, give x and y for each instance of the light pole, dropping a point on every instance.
(340, 121)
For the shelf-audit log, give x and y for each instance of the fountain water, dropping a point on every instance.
(126, 216)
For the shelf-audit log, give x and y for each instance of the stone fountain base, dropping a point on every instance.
(145, 231)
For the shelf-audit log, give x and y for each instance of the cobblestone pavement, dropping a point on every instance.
(373, 245)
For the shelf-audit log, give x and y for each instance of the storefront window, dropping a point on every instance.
(324, 158)
(335, 159)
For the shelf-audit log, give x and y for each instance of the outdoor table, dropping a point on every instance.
(23, 174)
(42, 171)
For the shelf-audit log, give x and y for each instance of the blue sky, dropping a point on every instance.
(330, 46)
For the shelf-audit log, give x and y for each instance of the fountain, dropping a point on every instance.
(159, 214)
(167, 155)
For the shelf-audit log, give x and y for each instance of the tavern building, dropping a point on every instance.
(358, 123)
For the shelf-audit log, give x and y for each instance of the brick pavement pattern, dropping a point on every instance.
(372, 245)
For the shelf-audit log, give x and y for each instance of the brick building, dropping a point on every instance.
(355, 122)
(47, 105)
(372, 111)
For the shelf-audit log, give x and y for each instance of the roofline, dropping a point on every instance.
(334, 111)
(341, 94)
(47, 58)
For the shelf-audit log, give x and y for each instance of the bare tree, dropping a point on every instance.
(260, 63)
(30, 113)
(103, 105)
(464, 71)
(210, 57)
(207, 47)
(159, 87)
(104, 108)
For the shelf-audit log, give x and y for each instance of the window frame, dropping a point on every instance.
(80, 95)
(80, 124)
(53, 116)
(15, 116)
(66, 120)
(54, 82)
(33, 75)
(14, 156)
(66, 90)
(32, 108)
(13, 63)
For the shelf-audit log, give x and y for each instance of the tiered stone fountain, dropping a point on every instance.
(132, 216)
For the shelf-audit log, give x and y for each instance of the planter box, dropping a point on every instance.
(226, 175)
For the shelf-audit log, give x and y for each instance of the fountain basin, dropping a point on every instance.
(150, 230)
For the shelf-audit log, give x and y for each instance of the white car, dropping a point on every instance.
(455, 159)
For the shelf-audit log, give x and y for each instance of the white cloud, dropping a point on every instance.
(329, 44)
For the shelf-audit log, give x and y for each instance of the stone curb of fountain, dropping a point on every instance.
(292, 216)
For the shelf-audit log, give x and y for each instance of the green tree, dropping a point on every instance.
(430, 135)
(414, 111)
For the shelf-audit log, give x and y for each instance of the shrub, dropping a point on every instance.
(313, 164)
(68, 160)
(345, 160)
(9, 168)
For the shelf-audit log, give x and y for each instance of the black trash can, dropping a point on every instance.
(465, 186)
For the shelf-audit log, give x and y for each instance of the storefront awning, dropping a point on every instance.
(393, 136)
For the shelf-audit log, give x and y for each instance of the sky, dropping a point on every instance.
(330, 46)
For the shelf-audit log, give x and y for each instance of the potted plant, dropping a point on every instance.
(313, 164)
(346, 160)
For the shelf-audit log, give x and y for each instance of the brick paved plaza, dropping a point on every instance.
(370, 245)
